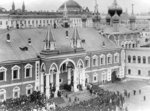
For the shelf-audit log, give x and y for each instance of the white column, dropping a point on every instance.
(57, 83)
(42, 82)
(47, 86)
(51, 79)
(69, 76)
(75, 80)
(83, 78)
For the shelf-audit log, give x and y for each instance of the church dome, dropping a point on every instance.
(2, 9)
(96, 18)
(132, 18)
(115, 8)
(115, 18)
(108, 16)
(71, 6)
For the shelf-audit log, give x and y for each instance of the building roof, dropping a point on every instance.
(107, 29)
(12, 52)
(71, 6)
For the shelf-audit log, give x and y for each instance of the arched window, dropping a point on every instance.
(129, 59)
(2, 74)
(126, 46)
(16, 92)
(149, 60)
(95, 60)
(116, 58)
(15, 72)
(29, 89)
(133, 45)
(109, 59)
(144, 60)
(87, 61)
(95, 77)
(102, 59)
(134, 59)
(129, 45)
(2, 95)
(139, 59)
(28, 71)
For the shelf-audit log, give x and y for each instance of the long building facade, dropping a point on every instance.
(45, 51)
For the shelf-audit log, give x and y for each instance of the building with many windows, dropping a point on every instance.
(47, 50)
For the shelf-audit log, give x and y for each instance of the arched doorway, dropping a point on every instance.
(114, 77)
(53, 80)
(43, 78)
(66, 76)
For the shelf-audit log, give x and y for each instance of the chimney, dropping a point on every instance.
(29, 41)
(103, 45)
(8, 38)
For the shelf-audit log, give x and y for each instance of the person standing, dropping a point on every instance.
(139, 91)
(144, 98)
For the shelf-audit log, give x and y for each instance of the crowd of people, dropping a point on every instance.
(104, 100)
(24, 103)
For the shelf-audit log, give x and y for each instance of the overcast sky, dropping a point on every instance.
(49, 5)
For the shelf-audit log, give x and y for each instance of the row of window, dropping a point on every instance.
(16, 72)
(16, 92)
(139, 72)
(102, 60)
(138, 59)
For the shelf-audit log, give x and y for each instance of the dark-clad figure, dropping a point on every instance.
(139, 91)
(128, 95)
(144, 98)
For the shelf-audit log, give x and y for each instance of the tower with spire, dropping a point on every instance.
(23, 7)
(49, 46)
(13, 6)
(96, 16)
(76, 41)
(65, 12)
(132, 20)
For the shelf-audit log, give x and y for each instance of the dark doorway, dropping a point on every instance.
(17, 26)
(114, 77)
(66, 25)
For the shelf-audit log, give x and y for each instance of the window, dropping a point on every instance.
(87, 62)
(2, 74)
(15, 72)
(139, 72)
(104, 77)
(129, 71)
(149, 60)
(109, 59)
(102, 60)
(116, 58)
(139, 59)
(0, 22)
(144, 60)
(2, 95)
(95, 77)
(149, 73)
(29, 89)
(129, 59)
(95, 60)
(134, 59)
(60, 80)
(16, 92)
(28, 71)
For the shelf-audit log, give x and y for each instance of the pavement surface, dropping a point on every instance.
(134, 103)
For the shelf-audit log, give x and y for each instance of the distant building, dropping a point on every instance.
(47, 50)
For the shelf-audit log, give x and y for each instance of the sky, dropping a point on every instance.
(49, 5)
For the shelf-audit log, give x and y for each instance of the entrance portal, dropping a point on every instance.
(114, 77)
(66, 76)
